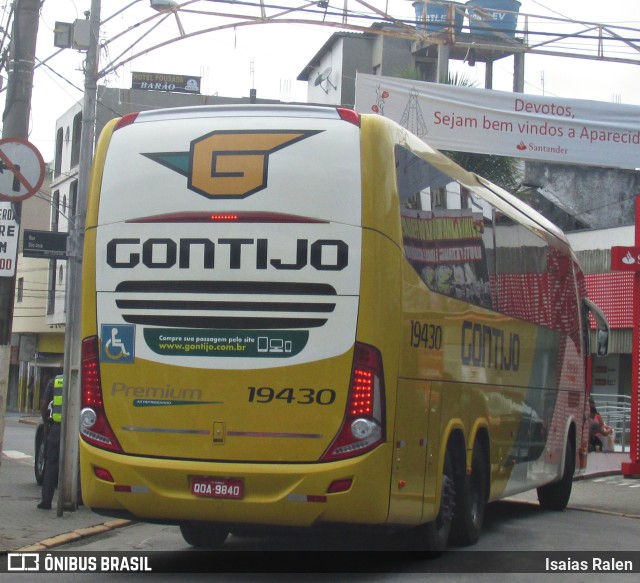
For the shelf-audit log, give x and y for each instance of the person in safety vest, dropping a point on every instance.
(51, 411)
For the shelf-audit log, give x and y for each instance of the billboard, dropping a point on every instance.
(533, 127)
(165, 82)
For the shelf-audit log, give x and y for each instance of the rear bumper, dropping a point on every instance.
(274, 494)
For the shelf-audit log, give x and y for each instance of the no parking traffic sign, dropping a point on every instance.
(21, 169)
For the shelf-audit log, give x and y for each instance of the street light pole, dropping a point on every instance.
(69, 446)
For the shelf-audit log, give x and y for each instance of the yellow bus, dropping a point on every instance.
(305, 317)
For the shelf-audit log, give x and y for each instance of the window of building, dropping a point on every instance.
(73, 199)
(51, 299)
(75, 140)
(57, 169)
(55, 211)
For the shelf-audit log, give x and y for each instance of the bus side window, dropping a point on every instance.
(443, 234)
(522, 273)
(480, 206)
(420, 185)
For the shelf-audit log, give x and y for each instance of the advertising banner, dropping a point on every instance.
(532, 127)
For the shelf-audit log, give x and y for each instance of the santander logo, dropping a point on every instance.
(521, 146)
(628, 259)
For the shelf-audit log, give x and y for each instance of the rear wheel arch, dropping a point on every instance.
(482, 439)
(456, 446)
(472, 491)
(572, 436)
(555, 496)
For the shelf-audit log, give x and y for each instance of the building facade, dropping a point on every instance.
(35, 343)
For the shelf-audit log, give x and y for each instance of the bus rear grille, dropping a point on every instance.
(229, 304)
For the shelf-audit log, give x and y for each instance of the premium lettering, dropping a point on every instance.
(166, 392)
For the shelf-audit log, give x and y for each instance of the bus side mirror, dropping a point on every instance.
(602, 332)
(602, 342)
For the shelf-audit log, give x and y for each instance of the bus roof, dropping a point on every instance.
(332, 112)
(245, 110)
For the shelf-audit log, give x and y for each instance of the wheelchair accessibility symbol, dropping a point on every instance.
(118, 343)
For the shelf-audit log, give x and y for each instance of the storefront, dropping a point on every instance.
(36, 360)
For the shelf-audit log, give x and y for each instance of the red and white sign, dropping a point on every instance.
(613, 294)
(625, 258)
(533, 127)
(21, 169)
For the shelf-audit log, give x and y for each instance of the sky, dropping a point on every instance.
(269, 57)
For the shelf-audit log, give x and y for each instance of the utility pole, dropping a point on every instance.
(69, 447)
(16, 125)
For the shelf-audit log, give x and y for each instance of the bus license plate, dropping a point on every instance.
(209, 487)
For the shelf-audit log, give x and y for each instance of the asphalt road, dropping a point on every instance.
(603, 521)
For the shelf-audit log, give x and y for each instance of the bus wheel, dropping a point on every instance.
(433, 537)
(471, 500)
(204, 535)
(556, 496)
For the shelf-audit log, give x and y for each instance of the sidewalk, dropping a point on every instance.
(604, 464)
(25, 528)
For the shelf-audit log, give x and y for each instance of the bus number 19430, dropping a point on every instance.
(288, 395)
(424, 335)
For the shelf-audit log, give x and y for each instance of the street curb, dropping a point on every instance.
(601, 474)
(75, 535)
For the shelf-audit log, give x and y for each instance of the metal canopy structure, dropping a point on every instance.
(535, 34)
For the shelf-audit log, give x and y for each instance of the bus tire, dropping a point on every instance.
(204, 535)
(432, 538)
(471, 500)
(556, 496)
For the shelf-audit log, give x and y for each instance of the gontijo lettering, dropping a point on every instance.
(489, 347)
(323, 254)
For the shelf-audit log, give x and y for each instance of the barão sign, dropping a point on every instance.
(165, 82)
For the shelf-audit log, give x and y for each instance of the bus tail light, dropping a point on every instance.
(363, 427)
(349, 115)
(126, 120)
(94, 427)
(103, 474)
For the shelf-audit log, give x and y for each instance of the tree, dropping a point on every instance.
(501, 170)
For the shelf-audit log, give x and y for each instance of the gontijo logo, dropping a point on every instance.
(230, 163)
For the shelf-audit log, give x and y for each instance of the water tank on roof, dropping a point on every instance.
(492, 17)
(439, 15)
